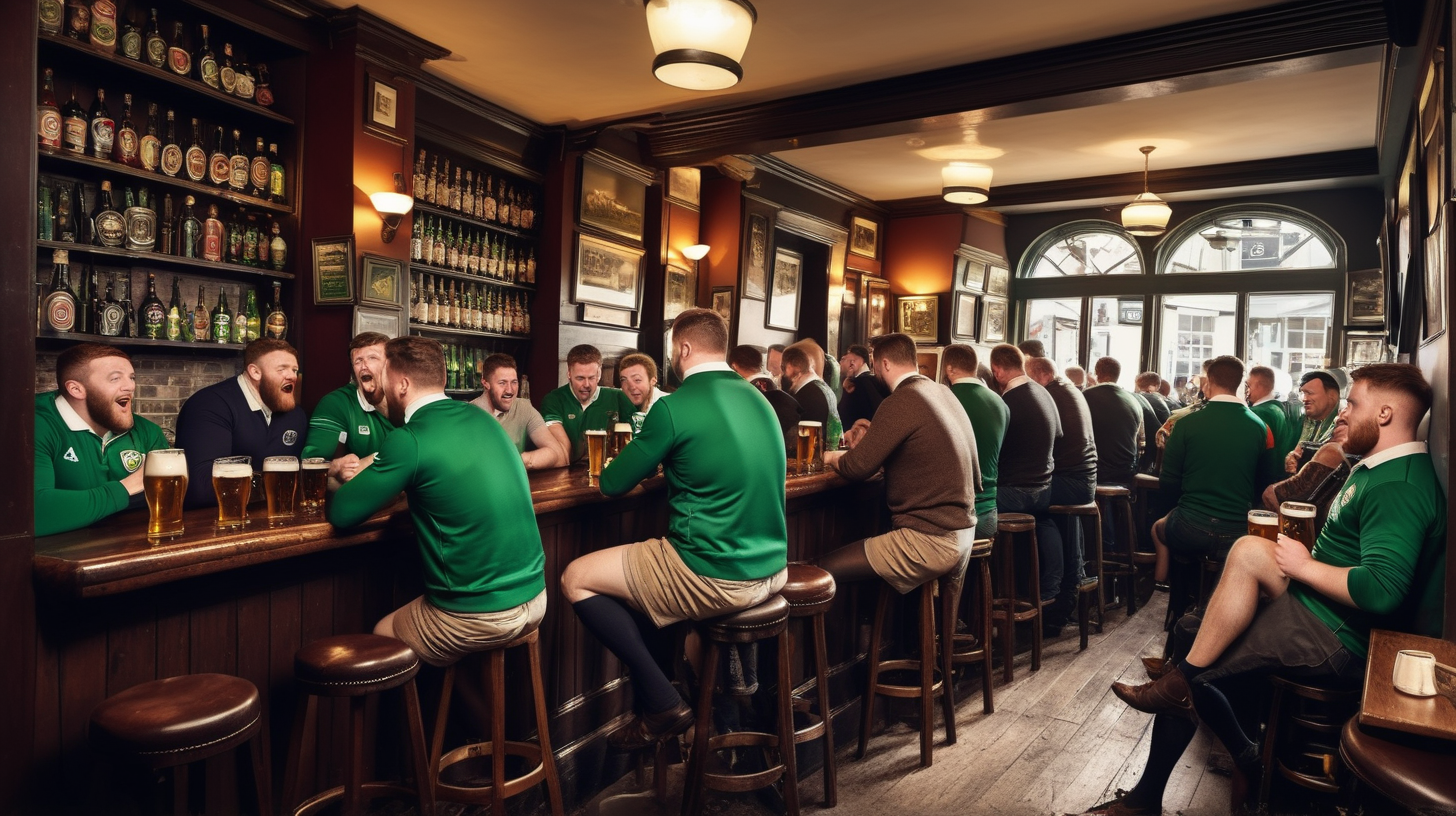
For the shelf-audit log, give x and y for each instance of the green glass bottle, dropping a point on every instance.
(222, 319)
(255, 320)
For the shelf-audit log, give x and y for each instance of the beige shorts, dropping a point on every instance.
(907, 558)
(441, 637)
(668, 591)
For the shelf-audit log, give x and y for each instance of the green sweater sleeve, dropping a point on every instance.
(325, 428)
(1392, 533)
(376, 486)
(59, 511)
(640, 458)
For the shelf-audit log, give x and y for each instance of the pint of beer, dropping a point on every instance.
(621, 435)
(232, 481)
(1296, 520)
(596, 453)
(280, 485)
(810, 458)
(1264, 524)
(315, 478)
(164, 480)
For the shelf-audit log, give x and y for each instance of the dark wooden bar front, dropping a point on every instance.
(114, 611)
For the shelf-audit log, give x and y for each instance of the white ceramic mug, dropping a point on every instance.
(1415, 673)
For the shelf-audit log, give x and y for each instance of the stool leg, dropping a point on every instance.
(1271, 735)
(987, 702)
(950, 596)
(180, 791)
(927, 673)
(1132, 542)
(1101, 601)
(698, 759)
(1005, 544)
(868, 715)
(1033, 584)
(354, 775)
(414, 727)
(1082, 613)
(543, 729)
(821, 686)
(442, 714)
(498, 731)
(788, 754)
(302, 713)
(262, 768)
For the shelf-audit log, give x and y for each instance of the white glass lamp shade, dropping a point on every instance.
(391, 203)
(1146, 215)
(696, 252)
(699, 42)
(965, 182)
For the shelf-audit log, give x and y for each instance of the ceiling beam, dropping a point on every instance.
(1293, 37)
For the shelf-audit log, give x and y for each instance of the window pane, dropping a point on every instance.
(1243, 243)
(1055, 323)
(1088, 253)
(1291, 332)
(1117, 332)
(1195, 328)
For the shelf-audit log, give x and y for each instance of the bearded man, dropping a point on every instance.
(89, 446)
(347, 425)
(254, 414)
(541, 446)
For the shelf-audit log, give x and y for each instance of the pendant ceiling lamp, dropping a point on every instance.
(1147, 214)
(965, 182)
(699, 42)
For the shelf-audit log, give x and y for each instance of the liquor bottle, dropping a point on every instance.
(515, 210)
(472, 254)
(277, 248)
(151, 143)
(167, 228)
(219, 162)
(427, 242)
(432, 314)
(455, 190)
(264, 95)
(453, 371)
(103, 24)
(238, 165)
(110, 318)
(74, 126)
(416, 241)
(276, 326)
(205, 62)
(227, 76)
(152, 315)
(66, 228)
(109, 227)
(276, 191)
(141, 221)
(502, 205)
(452, 247)
(254, 320)
(128, 147)
(467, 195)
(48, 116)
(250, 240)
(195, 157)
(530, 267)
(154, 46)
(233, 243)
(179, 57)
(102, 126)
(172, 157)
(443, 188)
(175, 312)
(414, 303)
(422, 307)
(259, 168)
(528, 218)
(129, 41)
(418, 180)
(88, 301)
(201, 321)
(433, 180)
(240, 321)
(52, 16)
(221, 330)
(189, 231)
(59, 304)
(186, 319)
(487, 212)
(454, 304)
(85, 226)
(45, 214)
(265, 244)
(212, 235)
(78, 20)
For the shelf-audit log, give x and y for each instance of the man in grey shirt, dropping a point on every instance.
(542, 446)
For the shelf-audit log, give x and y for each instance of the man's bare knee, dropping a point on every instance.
(385, 626)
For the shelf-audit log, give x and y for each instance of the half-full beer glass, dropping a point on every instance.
(315, 478)
(1264, 524)
(810, 458)
(232, 481)
(621, 435)
(596, 453)
(280, 486)
(1296, 520)
(164, 480)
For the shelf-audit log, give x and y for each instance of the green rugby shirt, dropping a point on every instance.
(343, 417)
(608, 406)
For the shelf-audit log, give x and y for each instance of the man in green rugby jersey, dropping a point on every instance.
(347, 425)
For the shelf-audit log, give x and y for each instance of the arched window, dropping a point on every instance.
(1081, 249)
(1250, 238)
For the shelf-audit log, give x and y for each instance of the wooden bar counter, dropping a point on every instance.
(115, 610)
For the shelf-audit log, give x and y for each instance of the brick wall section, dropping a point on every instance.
(164, 381)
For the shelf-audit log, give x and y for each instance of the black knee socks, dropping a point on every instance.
(1217, 713)
(612, 623)
(1171, 735)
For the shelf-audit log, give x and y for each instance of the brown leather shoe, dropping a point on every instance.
(1116, 807)
(1168, 694)
(647, 729)
(1157, 666)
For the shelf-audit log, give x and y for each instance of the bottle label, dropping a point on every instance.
(258, 172)
(73, 134)
(240, 328)
(219, 168)
(238, 172)
(245, 87)
(129, 145)
(60, 311)
(265, 96)
(179, 60)
(110, 228)
(48, 127)
(200, 324)
(111, 319)
(103, 23)
(208, 69)
(131, 44)
(212, 241)
(80, 21)
(277, 325)
(171, 160)
(174, 324)
(157, 51)
(151, 152)
(154, 321)
(222, 328)
(275, 181)
(229, 79)
(51, 12)
(141, 228)
(196, 163)
(278, 251)
(103, 133)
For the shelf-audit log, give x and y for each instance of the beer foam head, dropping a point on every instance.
(279, 464)
(596, 433)
(1263, 516)
(168, 462)
(809, 423)
(232, 470)
(622, 427)
(315, 463)
(1297, 510)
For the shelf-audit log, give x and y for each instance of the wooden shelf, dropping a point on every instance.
(164, 180)
(164, 75)
(165, 261)
(77, 337)
(466, 276)
(433, 135)
(495, 226)
(451, 332)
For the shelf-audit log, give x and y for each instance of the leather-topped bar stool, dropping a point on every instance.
(809, 592)
(356, 666)
(174, 722)
(767, 620)
(1116, 501)
(1089, 591)
(499, 747)
(975, 645)
(1299, 708)
(1414, 772)
(1008, 608)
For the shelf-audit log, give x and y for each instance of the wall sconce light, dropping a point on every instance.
(965, 182)
(699, 42)
(696, 252)
(391, 208)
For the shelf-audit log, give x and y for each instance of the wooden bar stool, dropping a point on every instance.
(975, 645)
(539, 752)
(809, 592)
(174, 722)
(1089, 591)
(1115, 501)
(1410, 770)
(1008, 609)
(356, 666)
(767, 620)
(1317, 713)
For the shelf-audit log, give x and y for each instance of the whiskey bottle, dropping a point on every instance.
(276, 325)
(129, 41)
(179, 58)
(52, 16)
(141, 221)
(154, 46)
(109, 318)
(254, 320)
(277, 248)
(103, 24)
(416, 241)
(233, 244)
(189, 231)
(85, 226)
(195, 159)
(515, 210)
(502, 205)
(264, 95)
(87, 301)
(443, 189)
(427, 243)
(433, 181)
(206, 62)
(238, 165)
(45, 214)
(219, 163)
(227, 76)
(488, 212)
(530, 276)
(123, 294)
(74, 126)
(201, 321)
(455, 191)
(418, 181)
(467, 195)
(175, 312)
(221, 330)
(452, 248)
(250, 240)
(441, 233)
(66, 216)
(167, 228)
(48, 116)
(259, 168)
(109, 227)
(58, 307)
(151, 144)
(152, 315)
(128, 147)
(212, 236)
(78, 20)
(103, 127)
(187, 318)
(276, 186)
(240, 321)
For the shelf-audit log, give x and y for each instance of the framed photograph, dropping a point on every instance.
(963, 324)
(927, 363)
(389, 321)
(683, 186)
(783, 302)
(381, 109)
(864, 237)
(919, 317)
(993, 319)
(723, 301)
(607, 274)
(381, 280)
(755, 257)
(1435, 281)
(1363, 348)
(680, 291)
(333, 270)
(998, 280)
(877, 310)
(1365, 297)
(606, 317)
(971, 274)
(611, 201)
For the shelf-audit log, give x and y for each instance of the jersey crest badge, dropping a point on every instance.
(131, 460)
(1347, 496)
(290, 437)
(71, 455)
(363, 430)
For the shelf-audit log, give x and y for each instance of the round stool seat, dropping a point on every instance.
(1088, 509)
(1015, 522)
(1115, 491)
(752, 624)
(354, 665)
(1418, 779)
(178, 719)
(809, 590)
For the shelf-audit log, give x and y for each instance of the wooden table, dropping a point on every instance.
(1385, 707)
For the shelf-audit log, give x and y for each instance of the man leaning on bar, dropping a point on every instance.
(347, 426)
(583, 403)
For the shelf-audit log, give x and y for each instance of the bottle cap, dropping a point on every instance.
(60, 256)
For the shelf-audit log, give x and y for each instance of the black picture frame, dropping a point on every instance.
(758, 247)
(864, 237)
(679, 291)
(381, 109)
(782, 309)
(724, 303)
(607, 274)
(610, 201)
(1365, 298)
(381, 280)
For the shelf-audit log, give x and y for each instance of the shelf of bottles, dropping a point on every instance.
(472, 220)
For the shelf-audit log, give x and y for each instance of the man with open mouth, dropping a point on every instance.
(347, 425)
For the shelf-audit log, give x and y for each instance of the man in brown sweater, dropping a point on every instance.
(922, 437)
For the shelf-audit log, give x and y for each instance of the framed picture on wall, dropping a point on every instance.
(998, 280)
(877, 306)
(723, 301)
(1363, 348)
(1365, 297)
(919, 317)
(390, 322)
(680, 292)
(611, 201)
(755, 256)
(963, 322)
(381, 280)
(864, 237)
(783, 302)
(607, 274)
(993, 319)
(927, 362)
(1435, 281)
(684, 186)
(381, 110)
(333, 270)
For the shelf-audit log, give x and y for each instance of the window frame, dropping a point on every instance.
(1169, 243)
(1060, 233)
